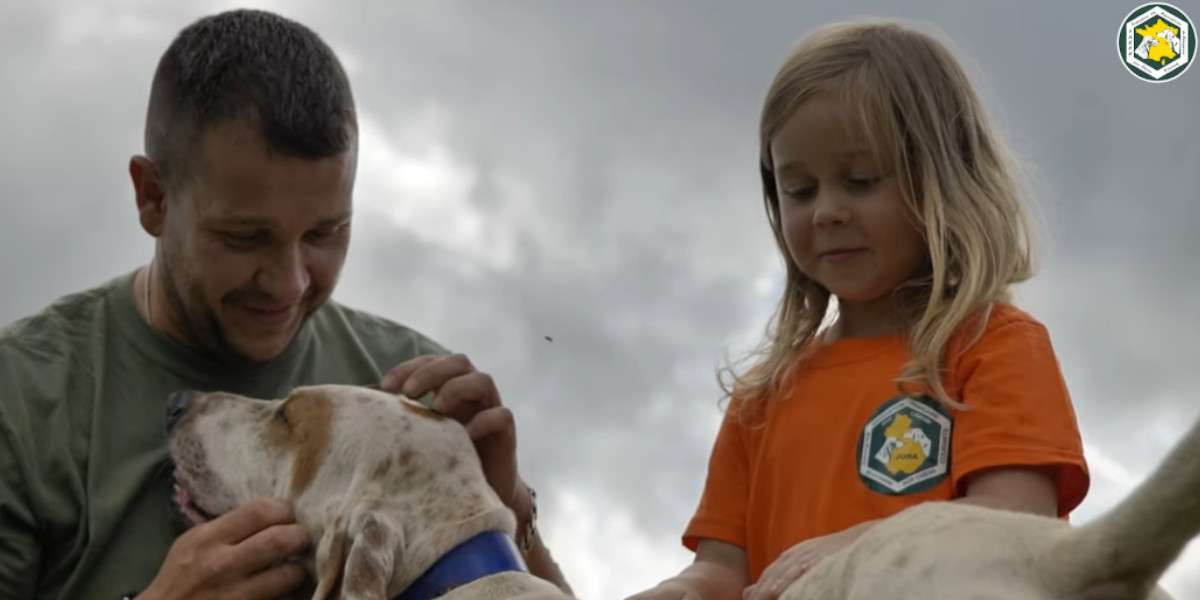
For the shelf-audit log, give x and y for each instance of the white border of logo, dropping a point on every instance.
(1131, 61)
(865, 469)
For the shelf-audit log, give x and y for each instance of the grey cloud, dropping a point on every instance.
(634, 125)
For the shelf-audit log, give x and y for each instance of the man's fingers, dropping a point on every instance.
(270, 546)
(462, 397)
(496, 423)
(394, 379)
(432, 374)
(272, 583)
(494, 433)
(248, 519)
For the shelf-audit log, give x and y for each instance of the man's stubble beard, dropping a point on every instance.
(198, 324)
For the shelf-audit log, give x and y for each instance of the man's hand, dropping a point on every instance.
(471, 398)
(800, 559)
(237, 555)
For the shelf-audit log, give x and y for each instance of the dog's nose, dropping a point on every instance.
(177, 404)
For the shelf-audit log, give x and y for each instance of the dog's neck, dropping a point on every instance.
(483, 555)
(424, 537)
(425, 545)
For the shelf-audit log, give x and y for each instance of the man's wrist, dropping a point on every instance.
(527, 533)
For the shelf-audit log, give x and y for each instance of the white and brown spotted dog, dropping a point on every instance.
(949, 551)
(384, 486)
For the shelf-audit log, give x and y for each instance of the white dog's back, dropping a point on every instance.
(953, 551)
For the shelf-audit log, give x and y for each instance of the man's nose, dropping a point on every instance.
(177, 404)
(287, 278)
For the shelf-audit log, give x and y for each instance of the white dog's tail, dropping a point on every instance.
(1139, 538)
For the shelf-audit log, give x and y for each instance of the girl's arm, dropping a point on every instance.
(1022, 489)
(718, 573)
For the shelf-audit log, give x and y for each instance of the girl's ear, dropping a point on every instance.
(149, 193)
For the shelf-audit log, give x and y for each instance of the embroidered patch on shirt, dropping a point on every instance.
(905, 446)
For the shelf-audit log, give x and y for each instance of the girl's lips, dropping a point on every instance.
(842, 254)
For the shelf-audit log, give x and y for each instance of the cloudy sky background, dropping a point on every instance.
(586, 171)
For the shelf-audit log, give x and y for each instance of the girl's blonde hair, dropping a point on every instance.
(924, 123)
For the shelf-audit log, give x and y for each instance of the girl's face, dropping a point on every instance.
(843, 217)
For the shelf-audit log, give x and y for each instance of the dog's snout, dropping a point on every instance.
(177, 404)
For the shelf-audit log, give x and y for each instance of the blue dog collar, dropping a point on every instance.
(485, 554)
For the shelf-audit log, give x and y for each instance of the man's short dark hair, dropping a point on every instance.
(254, 67)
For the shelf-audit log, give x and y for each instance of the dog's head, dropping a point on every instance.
(382, 483)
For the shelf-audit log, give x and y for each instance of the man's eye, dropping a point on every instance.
(243, 240)
(319, 235)
(326, 234)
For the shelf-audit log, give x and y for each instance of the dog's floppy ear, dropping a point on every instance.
(356, 556)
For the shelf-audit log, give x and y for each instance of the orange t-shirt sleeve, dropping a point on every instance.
(722, 511)
(1021, 413)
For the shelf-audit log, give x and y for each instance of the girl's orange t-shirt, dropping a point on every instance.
(842, 445)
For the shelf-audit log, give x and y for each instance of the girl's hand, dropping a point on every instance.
(800, 559)
(667, 590)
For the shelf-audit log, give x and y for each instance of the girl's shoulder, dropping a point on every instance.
(1003, 314)
(1007, 329)
(1006, 320)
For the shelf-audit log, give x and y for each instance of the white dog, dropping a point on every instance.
(950, 551)
(385, 486)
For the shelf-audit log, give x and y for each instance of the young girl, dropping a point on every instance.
(887, 189)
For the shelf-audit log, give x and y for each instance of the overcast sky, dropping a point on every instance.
(586, 171)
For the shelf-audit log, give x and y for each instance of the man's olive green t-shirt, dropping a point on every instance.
(85, 486)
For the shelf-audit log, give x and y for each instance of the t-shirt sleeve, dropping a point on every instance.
(19, 550)
(722, 511)
(1020, 411)
(382, 343)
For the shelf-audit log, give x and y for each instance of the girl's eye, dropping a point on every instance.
(800, 193)
(860, 183)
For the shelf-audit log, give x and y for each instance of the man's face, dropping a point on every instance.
(252, 244)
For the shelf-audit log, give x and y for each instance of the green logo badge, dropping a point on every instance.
(1157, 42)
(905, 446)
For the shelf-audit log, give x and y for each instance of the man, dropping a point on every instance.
(246, 186)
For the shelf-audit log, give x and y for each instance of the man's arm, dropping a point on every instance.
(536, 554)
(20, 553)
(543, 565)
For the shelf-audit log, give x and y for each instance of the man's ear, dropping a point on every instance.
(356, 555)
(150, 194)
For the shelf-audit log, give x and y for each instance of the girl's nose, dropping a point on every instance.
(829, 211)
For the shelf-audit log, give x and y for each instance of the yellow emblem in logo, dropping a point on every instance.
(907, 448)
